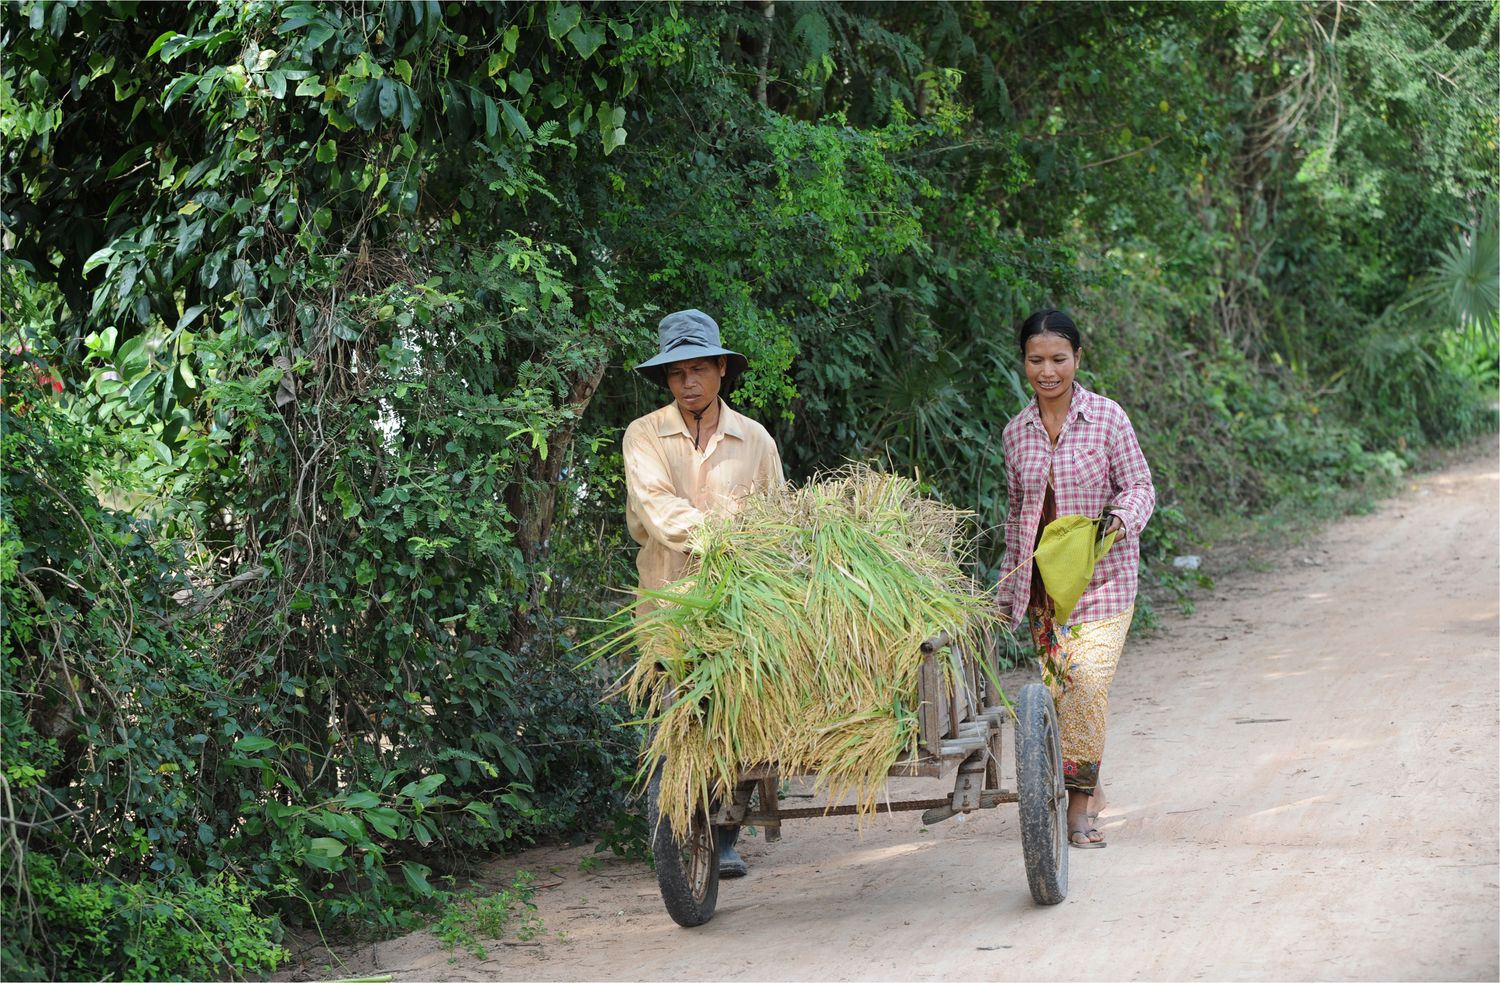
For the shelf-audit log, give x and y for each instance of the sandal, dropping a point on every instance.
(1084, 839)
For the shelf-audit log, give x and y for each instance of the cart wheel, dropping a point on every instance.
(1043, 798)
(687, 872)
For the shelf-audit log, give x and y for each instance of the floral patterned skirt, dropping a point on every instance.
(1078, 663)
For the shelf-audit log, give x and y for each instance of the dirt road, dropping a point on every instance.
(1303, 784)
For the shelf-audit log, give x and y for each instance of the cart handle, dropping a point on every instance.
(941, 640)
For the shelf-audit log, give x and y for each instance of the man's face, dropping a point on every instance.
(695, 383)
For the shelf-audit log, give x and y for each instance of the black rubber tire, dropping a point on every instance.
(1043, 798)
(687, 873)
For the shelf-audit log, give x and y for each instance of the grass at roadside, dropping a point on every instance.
(470, 922)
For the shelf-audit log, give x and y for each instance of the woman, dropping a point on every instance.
(1072, 452)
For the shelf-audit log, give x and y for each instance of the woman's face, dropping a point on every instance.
(1051, 364)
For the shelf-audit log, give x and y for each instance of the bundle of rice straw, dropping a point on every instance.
(796, 639)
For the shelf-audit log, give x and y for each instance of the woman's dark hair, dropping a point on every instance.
(1049, 321)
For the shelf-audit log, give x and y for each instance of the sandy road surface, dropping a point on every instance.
(1303, 784)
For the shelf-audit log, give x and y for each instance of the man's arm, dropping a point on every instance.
(769, 476)
(669, 518)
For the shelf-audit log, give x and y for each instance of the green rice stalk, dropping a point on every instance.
(795, 639)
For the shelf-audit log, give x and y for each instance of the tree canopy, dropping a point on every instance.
(317, 319)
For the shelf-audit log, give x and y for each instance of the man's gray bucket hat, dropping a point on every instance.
(684, 335)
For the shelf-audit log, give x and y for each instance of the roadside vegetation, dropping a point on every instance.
(316, 322)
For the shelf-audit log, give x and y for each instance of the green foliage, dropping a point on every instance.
(140, 931)
(468, 921)
(332, 390)
(1463, 286)
(112, 712)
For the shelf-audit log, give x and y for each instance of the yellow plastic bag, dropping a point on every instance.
(1066, 556)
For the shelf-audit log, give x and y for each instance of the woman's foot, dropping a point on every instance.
(1086, 838)
(1081, 831)
(1096, 803)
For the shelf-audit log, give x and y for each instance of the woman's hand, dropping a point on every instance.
(1115, 525)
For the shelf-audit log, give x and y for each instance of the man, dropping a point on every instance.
(692, 457)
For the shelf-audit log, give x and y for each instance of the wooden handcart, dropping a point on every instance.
(961, 734)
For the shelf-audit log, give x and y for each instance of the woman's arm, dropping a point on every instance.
(1135, 496)
(1014, 500)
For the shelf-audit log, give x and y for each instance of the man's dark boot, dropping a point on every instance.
(731, 864)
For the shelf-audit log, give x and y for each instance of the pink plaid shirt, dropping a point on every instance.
(1096, 462)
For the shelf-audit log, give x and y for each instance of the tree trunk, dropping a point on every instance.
(768, 11)
(534, 503)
